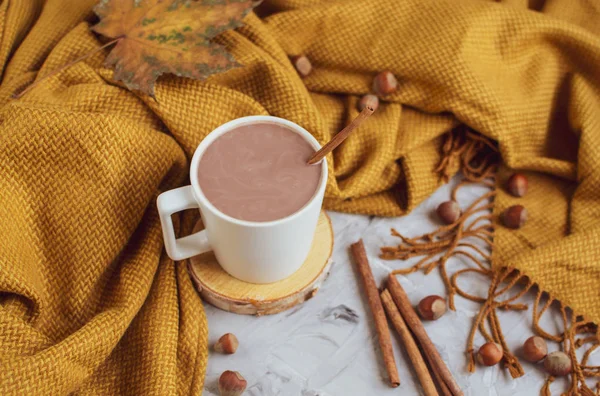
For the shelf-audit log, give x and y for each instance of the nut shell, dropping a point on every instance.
(514, 217)
(490, 354)
(448, 211)
(228, 343)
(432, 307)
(302, 65)
(231, 383)
(385, 83)
(558, 364)
(517, 185)
(535, 349)
(368, 100)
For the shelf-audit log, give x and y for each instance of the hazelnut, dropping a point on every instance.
(228, 343)
(490, 354)
(302, 65)
(535, 349)
(231, 383)
(368, 100)
(432, 307)
(517, 185)
(448, 211)
(558, 364)
(385, 83)
(515, 216)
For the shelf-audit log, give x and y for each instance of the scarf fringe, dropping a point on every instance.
(477, 157)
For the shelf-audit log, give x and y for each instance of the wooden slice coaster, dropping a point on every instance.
(223, 291)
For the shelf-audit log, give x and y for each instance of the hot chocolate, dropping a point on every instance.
(258, 172)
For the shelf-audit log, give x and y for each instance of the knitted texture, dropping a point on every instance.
(89, 302)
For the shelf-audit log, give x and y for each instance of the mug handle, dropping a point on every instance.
(174, 201)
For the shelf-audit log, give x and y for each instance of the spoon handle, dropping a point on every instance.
(340, 136)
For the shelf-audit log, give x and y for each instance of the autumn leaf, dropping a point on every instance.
(168, 36)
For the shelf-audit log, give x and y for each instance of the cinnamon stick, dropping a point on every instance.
(341, 135)
(442, 387)
(414, 323)
(409, 344)
(383, 332)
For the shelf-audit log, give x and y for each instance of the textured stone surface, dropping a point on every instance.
(327, 346)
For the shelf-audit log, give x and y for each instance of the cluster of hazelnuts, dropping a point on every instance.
(231, 383)
(514, 217)
(534, 350)
(384, 83)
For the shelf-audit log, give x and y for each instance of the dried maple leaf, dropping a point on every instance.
(168, 36)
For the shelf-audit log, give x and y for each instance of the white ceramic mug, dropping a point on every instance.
(256, 252)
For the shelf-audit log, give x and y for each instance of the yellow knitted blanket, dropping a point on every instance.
(89, 303)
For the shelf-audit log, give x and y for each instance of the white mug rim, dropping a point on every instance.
(230, 125)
